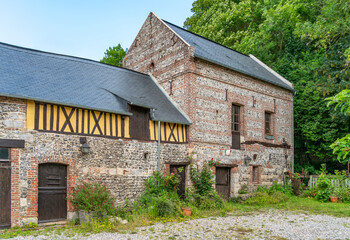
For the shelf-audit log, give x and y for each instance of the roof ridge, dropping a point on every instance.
(204, 38)
(68, 57)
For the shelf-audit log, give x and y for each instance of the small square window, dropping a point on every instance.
(4, 154)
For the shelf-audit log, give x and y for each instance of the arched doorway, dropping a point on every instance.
(52, 201)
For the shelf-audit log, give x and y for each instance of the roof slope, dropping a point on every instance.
(213, 52)
(72, 81)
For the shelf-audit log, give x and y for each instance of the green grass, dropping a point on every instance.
(296, 204)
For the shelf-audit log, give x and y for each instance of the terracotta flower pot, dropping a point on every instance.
(187, 211)
(333, 199)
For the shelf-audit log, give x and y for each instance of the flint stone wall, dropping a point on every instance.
(199, 88)
(120, 164)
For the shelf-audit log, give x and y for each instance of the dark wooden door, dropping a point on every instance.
(139, 123)
(180, 170)
(52, 192)
(223, 182)
(5, 194)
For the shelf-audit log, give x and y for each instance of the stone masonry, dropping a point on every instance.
(203, 90)
(206, 92)
(121, 164)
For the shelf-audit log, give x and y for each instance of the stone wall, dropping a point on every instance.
(157, 50)
(206, 92)
(121, 164)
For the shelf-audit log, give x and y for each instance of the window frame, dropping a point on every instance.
(268, 123)
(236, 121)
(256, 174)
(8, 155)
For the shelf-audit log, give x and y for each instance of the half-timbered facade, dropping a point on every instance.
(64, 120)
(51, 106)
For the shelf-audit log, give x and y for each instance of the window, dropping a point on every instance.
(255, 172)
(4, 154)
(236, 127)
(268, 130)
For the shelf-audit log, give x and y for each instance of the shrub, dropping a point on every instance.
(276, 187)
(324, 188)
(243, 190)
(93, 197)
(268, 195)
(210, 201)
(160, 198)
(263, 197)
(344, 194)
(203, 194)
(202, 180)
(157, 183)
(164, 207)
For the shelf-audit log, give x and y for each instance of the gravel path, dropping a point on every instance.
(268, 225)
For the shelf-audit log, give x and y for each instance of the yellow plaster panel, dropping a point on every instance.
(126, 124)
(30, 114)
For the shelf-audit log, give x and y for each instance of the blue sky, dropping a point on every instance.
(83, 28)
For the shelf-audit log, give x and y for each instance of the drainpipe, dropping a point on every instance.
(158, 146)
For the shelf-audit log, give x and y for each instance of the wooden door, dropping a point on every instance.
(139, 123)
(52, 192)
(5, 194)
(180, 169)
(223, 182)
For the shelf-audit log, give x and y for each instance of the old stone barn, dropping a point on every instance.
(64, 120)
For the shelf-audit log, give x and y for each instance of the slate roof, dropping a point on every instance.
(48, 77)
(213, 52)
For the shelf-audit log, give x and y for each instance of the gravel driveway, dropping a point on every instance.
(273, 224)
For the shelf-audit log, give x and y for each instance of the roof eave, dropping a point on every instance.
(171, 100)
(63, 103)
(271, 70)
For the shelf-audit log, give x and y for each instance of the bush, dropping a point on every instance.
(157, 183)
(160, 198)
(344, 194)
(263, 197)
(164, 207)
(202, 180)
(93, 197)
(210, 201)
(269, 195)
(203, 194)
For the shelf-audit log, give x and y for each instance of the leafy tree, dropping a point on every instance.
(307, 42)
(341, 146)
(114, 56)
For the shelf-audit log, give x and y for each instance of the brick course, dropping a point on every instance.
(120, 164)
(206, 92)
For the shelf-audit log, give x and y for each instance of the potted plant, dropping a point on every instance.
(187, 211)
(334, 195)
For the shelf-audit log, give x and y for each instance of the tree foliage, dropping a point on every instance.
(307, 42)
(341, 147)
(114, 56)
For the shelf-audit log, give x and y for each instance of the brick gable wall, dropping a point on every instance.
(206, 92)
